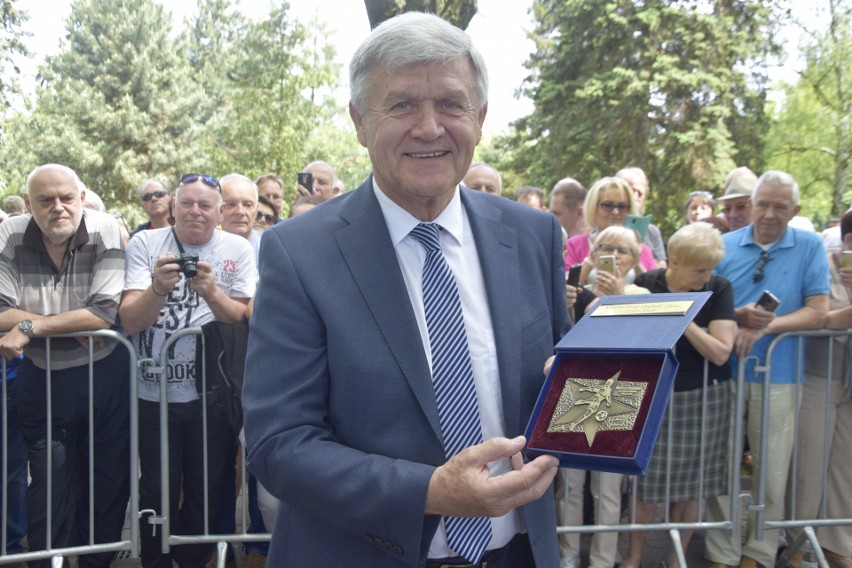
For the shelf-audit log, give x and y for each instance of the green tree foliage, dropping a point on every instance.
(117, 104)
(813, 133)
(274, 99)
(657, 84)
(12, 46)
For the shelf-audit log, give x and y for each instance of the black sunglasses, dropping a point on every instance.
(153, 194)
(268, 219)
(209, 181)
(760, 267)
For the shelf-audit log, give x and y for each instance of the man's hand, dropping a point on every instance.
(165, 275)
(752, 317)
(746, 338)
(205, 281)
(548, 364)
(302, 191)
(12, 344)
(463, 487)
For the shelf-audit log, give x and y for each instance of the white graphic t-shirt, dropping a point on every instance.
(232, 259)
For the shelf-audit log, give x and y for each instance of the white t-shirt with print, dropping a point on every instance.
(233, 262)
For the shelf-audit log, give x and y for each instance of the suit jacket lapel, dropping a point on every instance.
(497, 246)
(366, 248)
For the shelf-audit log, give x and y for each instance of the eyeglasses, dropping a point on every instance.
(613, 248)
(760, 267)
(609, 206)
(266, 218)
(158, 194)
(209, 181)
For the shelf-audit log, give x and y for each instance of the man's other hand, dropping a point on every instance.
(463, 487)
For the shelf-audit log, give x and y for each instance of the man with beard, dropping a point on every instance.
(62, 271)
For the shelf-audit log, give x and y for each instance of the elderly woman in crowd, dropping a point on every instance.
(825, 430)
(699, 206)
(694, 251)
(607, 204)
(623, 244)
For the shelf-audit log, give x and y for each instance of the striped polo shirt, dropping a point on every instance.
(91, 277)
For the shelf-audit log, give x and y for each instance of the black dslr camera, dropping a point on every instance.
(188, 264)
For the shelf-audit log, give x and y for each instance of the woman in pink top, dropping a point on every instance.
(608, 203)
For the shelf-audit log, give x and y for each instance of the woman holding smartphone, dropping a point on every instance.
(615, 252)
(608, 203)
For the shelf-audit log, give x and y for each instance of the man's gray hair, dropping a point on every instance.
(152, 181)
(235, 176)
(413, 37)
(77, 183)
(778, 178)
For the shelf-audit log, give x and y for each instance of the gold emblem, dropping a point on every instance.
(677, 308)
(594, 405)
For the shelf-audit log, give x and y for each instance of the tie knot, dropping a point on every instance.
(428, 235)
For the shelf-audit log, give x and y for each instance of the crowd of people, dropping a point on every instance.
(395, 340)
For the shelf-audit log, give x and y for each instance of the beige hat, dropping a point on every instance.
(741, 185)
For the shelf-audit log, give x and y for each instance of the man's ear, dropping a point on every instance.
(796, 209)
(358, 121)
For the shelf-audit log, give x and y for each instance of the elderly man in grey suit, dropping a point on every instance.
(399, 335)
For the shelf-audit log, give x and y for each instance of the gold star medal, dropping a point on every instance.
(595, 405)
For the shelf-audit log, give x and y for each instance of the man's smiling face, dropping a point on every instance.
(421, 125)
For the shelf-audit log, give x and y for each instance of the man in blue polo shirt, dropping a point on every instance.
(790, 263)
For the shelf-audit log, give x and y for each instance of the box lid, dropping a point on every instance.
(638, 322)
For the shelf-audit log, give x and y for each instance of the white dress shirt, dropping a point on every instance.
(460, 252)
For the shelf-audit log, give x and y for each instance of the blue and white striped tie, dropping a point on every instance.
(452, 379)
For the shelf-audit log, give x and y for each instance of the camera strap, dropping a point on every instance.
(180, 246)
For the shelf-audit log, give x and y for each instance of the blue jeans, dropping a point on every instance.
(16, 474)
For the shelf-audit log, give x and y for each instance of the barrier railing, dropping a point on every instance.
(131, 545)
(755, 500)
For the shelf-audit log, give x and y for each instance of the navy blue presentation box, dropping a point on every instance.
(603, 401)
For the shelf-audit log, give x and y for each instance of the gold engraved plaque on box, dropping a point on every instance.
(597, 405)
(644, 309)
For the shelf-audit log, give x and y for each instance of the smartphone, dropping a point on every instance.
(306, 180)
(573, 276)
(607, 264)
(847, 259)
(768, 301)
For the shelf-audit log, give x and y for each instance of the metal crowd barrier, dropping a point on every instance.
(167, 538)
(131, 545)
(755, 500)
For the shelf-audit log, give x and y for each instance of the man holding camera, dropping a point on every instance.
(178, 278)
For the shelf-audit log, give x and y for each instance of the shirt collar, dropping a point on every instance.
(400, 222)
(787, 239)
(33, 238)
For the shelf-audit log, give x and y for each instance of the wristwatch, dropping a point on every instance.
(26, 327)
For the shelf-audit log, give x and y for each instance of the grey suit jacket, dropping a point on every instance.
(340, 415)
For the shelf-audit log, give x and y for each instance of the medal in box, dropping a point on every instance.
(603, 401)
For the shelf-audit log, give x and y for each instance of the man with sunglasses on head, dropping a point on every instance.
(180, 277)
(769, 255)
(156, 203)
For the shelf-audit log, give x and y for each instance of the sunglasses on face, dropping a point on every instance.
(158, 194)
(609, 206)
(209, 181)
(266, 218)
